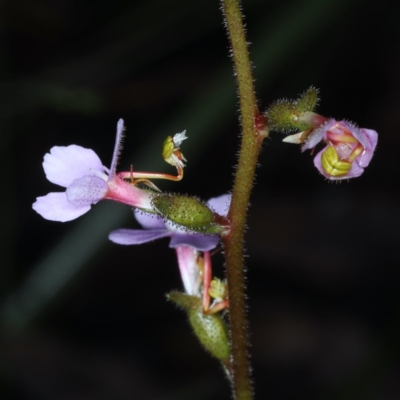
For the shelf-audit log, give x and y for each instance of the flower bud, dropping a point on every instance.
(186, 211)
(209, 329)
(288, 115)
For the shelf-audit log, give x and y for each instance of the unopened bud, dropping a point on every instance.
(288, 115)
(218, 289)
(209, 329)
(186, 211)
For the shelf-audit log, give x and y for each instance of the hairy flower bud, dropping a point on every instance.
(209, 329)
(288, 115)
(186, 211)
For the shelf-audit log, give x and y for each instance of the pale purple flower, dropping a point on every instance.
(347, 152)
(87, 181)
(156, 228)
(187, 244)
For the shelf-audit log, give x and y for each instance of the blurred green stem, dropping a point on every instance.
(233, 242)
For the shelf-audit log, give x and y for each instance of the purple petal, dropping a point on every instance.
(65, 164)
(372, 137)
(196, 241)
(354, 172)
(87, 190)
(365, 158)
(148, 220)
(317, 135)
(137, 236)
(56, 207)
(220, 204)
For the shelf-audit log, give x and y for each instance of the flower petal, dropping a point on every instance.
(87, 190)
(65, 164)
(220, 204)
(137, 236)
(189, 269)
(56, 207)
(148, 220)
(372, 137)
(355, 171)
(365, 158)
(196, 241)
(355, 132)
(317, 135)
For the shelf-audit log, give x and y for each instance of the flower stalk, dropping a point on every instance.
(251, 141)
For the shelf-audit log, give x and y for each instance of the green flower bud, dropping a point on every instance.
(280, 115)
(288, 115)
(209, 329)
(186, 211)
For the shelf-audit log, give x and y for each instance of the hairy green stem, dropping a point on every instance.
(233, 243)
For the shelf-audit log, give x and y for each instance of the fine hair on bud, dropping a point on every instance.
(307, 101)
(293, 115)
(186, 211)
(211, 329)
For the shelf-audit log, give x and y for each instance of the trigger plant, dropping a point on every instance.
(194, 229)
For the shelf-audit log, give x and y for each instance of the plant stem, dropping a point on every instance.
(233, 242)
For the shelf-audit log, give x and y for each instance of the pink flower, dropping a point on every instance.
(347, 152)
(87, 181)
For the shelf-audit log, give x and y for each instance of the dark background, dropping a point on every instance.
(83, 318)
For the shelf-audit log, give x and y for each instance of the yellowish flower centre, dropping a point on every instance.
(332, 164)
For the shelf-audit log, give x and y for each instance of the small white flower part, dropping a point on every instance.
(176, 161)
(297, 138)
(179, 138)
